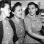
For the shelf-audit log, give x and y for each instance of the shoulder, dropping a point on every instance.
(39, 16)
(27, 21)
(27, 18)
(7, 19)
(12, 18)
(39, 20)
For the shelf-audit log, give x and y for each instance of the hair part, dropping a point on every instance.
(15, 5)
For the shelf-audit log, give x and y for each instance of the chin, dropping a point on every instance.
(8, 15)
(32, 14)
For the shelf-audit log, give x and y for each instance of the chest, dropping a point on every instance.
(8, 31)
(36, 25)
(20, 29)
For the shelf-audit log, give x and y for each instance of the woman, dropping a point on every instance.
(18, 21)
(6, 30)
(33, 24)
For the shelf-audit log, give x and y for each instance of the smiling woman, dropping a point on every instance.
(33, 24)
(18, 21)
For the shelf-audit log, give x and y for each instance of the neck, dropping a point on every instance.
(3, 16)
(33, 16)
(17, 19)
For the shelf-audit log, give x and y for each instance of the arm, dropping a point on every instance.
(28, 29)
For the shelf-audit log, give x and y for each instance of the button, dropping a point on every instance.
(20, 35)
(7, 27)
(8, 33)
(39, 25)
(21, 30)
(37, 21)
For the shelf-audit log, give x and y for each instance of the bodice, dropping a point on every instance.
(8, 32)
(35, 24)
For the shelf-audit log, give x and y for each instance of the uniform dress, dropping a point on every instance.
(35, 25)
(19, 30)
(8, 33)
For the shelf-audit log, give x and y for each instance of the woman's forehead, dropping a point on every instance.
(18, 7)
(31, 6)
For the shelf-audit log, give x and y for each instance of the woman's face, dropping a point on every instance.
(18, 11)
(32, 9)
(6, 10)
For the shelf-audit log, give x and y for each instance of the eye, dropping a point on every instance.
(19, 10)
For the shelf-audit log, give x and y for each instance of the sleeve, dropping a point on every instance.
(27, 24)
(40, 22)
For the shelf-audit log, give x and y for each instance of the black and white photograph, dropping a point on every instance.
(21, 21)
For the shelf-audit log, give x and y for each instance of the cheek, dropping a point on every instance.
(6, 11)
(34, 11)
(17, 13)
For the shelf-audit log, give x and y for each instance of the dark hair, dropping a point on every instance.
(15, 5)
(2, 4)
(32, 3)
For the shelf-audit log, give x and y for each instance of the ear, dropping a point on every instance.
(13, 12)
(2, 9)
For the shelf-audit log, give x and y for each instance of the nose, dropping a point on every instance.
(30, 10)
